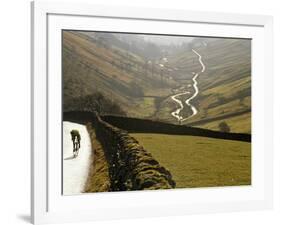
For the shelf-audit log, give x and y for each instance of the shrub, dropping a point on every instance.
(223, 126)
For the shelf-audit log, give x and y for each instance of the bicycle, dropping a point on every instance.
(76, 138)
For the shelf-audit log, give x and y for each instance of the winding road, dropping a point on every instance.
(178, 110)
(176, 113)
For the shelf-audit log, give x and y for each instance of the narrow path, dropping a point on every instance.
(75, 170)
(177, 111)
(187, 101)
(195, 86)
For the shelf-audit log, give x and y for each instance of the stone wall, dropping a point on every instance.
(131, 166)
(135, 125)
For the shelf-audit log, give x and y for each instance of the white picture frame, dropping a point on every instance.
(47, 206)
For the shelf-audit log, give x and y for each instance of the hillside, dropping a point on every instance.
(225, 85)
(90, 65)
(141, 77)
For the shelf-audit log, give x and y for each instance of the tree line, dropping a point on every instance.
(95, 102)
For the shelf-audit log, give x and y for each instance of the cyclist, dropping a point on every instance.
(76, 138)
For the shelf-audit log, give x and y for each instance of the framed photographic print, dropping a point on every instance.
(149, 112)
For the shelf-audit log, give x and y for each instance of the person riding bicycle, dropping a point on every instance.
(76, 138)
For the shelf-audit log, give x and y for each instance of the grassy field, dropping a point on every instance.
(200, 161)
(98, 177)
(238, 124)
